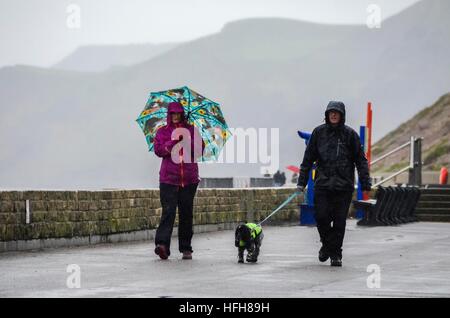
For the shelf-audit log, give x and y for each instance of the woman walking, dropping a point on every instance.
(178, 144)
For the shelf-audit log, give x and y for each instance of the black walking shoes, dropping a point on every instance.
(187, 255)
(336, 262)
(323, 255)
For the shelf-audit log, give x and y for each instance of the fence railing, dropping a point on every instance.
(415, 162)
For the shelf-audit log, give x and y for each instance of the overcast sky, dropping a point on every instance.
(41, 33)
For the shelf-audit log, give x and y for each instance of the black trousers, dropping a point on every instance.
(331, 217)
(171, 197)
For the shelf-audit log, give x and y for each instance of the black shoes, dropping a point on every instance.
(323, 256)
(336, 262)
(187, 255)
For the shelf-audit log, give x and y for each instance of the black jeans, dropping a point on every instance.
(172, 196)
(332, 207)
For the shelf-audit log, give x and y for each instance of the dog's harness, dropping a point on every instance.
(255, 230)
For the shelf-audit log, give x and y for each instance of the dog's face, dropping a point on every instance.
(243, 234)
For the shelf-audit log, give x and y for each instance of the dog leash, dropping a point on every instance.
(292, 196)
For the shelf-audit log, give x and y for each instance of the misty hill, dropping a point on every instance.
(97, 58)
(433, 124)
(71, 129)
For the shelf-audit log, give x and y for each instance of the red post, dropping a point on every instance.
(443, 178)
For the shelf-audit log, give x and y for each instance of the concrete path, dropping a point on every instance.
(414, 261)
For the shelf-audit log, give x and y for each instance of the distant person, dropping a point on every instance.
(336, 149)
(178, 182)
(283, 179)
(294, 178)
(277, 178)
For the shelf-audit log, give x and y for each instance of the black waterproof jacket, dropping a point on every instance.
(336, 150)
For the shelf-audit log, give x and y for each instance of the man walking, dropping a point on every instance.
(336, 150)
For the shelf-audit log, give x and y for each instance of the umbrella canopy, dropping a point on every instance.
(200, 111)
(293, 169)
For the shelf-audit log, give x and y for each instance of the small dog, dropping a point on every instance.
(248, 237)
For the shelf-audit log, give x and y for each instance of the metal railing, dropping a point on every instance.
(415, 164)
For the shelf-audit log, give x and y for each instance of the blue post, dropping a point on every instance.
(359, 194)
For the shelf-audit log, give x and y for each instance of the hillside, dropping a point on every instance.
(98, 58)
(433, 124)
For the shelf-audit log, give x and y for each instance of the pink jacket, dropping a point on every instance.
(185, 170)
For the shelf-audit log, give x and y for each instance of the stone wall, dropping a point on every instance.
(65, 218)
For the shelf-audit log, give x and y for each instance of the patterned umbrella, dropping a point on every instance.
(200, 111)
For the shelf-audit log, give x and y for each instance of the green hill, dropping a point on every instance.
(433, 124)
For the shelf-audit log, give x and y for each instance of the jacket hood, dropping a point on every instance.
(337, 106)
(175, 107)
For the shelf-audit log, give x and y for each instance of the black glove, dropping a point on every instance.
(366, 187)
